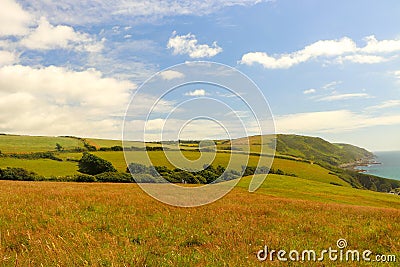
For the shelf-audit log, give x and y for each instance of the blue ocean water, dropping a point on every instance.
(389, 167)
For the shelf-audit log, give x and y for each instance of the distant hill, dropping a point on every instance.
(310, 158)
(331, 156)
(319, 150)
(314, 149)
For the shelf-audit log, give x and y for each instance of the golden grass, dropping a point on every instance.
(71, 224)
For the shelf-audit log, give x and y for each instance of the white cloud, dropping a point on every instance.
(362, 59)
(197, 92)
(309, 91)
(171, 74)
(188, 44)
(331, 85)
(173, 129)
(79, 12)
(14, 21)
(386, 104)
(397, 74)
(7, 58)
(65, 86)
(326, 48)
(344, 49)
(331, 121)
(146, 105)
(154, 124)
(58, 101)
(47, 36)
(344, 96)
(384, 46)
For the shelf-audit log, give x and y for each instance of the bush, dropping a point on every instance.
(89, 147)
(136, 168)
(91, 164)
(114, 177)
(147, 178)
(251, 170)
(117, 148)
(36, 155)
(84, 178)
(113, 148)
(17, 174)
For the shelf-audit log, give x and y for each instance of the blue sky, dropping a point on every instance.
(327, 68)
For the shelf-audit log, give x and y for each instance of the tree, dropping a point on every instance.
(91, 164)
(136, 168)
(59, 147)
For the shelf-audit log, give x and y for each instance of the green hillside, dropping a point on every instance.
(28, 144)
(319, 150)
(309, 158)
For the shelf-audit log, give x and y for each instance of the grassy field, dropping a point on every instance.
(75, 224)
(49, 168)
(81, 224)
(27, 144)
(301, 169)
(44, 167)
(306, 189)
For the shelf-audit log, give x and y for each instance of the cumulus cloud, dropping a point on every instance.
(342, 50)
(65, 86)
(171, 74)
(327, 48)
(188, 45)
(197, 92)
(58, 101)
(384, 46)
(14, 21)
(47, 36)
(7, 58)
(309, 91)
(362, 59)
(331, 121)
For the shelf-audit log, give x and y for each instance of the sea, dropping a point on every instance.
(389, 167)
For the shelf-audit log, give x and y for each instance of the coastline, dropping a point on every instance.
(354, 166)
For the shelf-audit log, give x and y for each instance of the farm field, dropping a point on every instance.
(301, 169)
(44, 167)
(51, 168)
(28, 144)
(109, 224)
(70, 224)
(48, 167)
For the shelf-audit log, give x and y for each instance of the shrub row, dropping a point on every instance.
(36, 155)
(156, 174)
(20, 174)
(251, 170)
